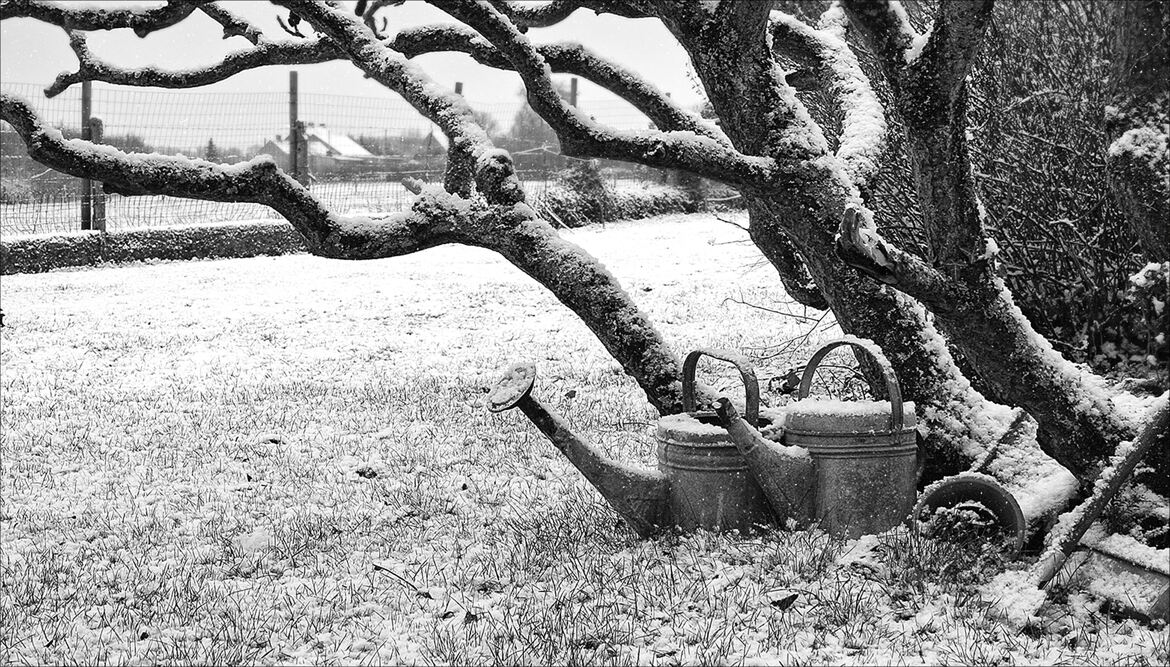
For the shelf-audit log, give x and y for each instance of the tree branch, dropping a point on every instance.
(141, 21)
(863, 127)
(536, 16)
(783, 255)
(233, 26)
(954, 40)
(930, 95)
(743, 18)
(562, 58)
(266, 53)
(581, 136)
(861, 246)
(886, 27)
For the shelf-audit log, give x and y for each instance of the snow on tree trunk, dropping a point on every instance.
(1078, 424)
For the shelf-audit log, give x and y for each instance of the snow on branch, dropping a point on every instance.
(579, 135)
(564, 58)
(233, 26)
(141, 21)
(536, 16)
(863, 128)
(929, 81)
(266, 53)
(939, 59)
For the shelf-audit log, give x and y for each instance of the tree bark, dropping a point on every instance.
(1079, 426)
(805, 215)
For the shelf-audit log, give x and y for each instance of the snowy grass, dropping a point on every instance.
(286, 460)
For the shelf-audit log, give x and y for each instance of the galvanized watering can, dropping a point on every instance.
(864, 453)
(711, 486)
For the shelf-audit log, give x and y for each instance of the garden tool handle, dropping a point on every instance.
(897, 419)
(751, 385)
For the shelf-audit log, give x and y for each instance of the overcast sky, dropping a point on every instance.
(34, 52)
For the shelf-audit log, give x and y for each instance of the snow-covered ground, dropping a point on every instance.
(287, 460)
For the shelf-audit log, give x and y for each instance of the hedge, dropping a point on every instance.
(45, 253)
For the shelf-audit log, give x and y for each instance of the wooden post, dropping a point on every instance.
(303, 164)
(573, 91)
(86, 184)
(97, 190)
(294, 135)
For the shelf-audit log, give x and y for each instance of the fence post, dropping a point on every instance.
(97, 191)
(303, 164)
(294, 135)
(86, 185)
(573, 91)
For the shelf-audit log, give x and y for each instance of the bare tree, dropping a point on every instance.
(803, 184)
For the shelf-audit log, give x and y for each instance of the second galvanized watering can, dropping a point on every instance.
(865, 452)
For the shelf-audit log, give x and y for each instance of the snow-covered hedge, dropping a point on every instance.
(35, 254)
(571, 207)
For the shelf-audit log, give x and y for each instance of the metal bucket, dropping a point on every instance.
(865, 457)
(982, 498)
(710, 484)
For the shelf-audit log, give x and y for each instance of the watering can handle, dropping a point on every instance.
(751, 386)
(892, 387)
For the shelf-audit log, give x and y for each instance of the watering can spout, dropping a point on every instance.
(784, 473)
(640, 496)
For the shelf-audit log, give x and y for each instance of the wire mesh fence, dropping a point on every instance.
(359, 149)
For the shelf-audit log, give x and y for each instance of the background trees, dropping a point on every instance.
(803, 106)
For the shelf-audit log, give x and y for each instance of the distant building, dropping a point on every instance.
(329, 152)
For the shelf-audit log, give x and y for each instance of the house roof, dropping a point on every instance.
(326, 142)
(339, 144)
